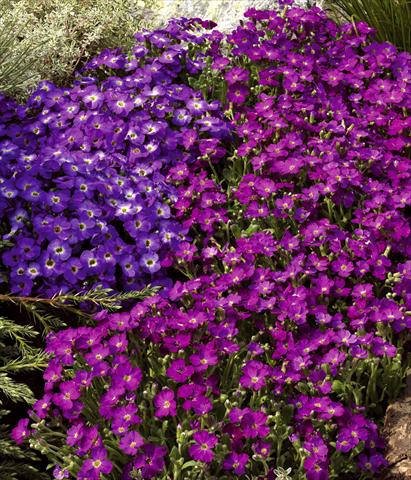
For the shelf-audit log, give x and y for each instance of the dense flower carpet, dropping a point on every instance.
(261, 180)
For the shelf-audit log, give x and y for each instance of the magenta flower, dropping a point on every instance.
(315, 468)
(206, 355)
(75, 434)
(201, 405)
(165, 403)
(236, 74)
(237, 93)
(262, 448)
(254, 425)
(254, 375)
(70, 391)
(128, 377)
(41, 407)
(343, 267)
(179, 371)
(202, 449)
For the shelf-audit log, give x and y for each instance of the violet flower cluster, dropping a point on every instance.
(286, 336)
(83, 197)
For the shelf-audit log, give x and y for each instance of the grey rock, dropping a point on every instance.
(226, 13)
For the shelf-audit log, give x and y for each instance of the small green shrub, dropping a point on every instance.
(391, 18)
(68, 32)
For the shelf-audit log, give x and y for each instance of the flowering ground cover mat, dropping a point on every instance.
(261, 178)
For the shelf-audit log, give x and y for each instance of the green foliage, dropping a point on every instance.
(65, 34)
(391, 18)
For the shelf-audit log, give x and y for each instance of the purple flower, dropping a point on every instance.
(372, 463)
(236, 462)
(254, 375)
(59, 473)
(205, 356)
(287, 221)
(21, 431)
(196, 106)
(69, 391)
(130, 442)
(97, 463)
(254, 425)
(348, 438)
(151, 460)
(237, 93)
(150, 262)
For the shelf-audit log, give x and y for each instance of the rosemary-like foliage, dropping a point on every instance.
(18, 357)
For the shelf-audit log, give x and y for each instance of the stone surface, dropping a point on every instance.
(397, 432)
(226, 13)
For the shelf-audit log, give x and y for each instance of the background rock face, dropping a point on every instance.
(397, 432)
(226, 13)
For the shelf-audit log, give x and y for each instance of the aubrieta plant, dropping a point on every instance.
(275, 354)
(83, 197)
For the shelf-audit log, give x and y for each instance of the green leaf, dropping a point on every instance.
(191, 463)
(338, 386)
(236, 230)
